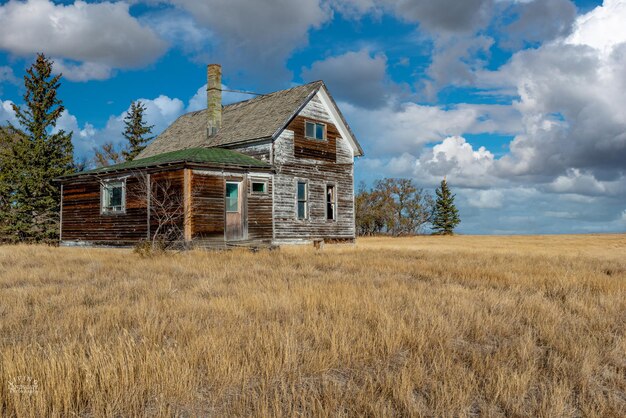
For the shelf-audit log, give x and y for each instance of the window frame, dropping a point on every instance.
(105, 187)
(258, 181)
(305, 200)
(333, 203)
(315, 123)
(226, 197)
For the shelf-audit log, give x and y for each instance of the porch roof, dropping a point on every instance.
(210, 156)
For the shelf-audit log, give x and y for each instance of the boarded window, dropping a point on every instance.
(113, 197)
(331, 202)
(232, 197)
(259, 187)
(315, 130)
(303, 204)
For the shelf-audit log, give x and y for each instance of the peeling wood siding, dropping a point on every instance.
(292, 165)
(260, 151)
(82, 220)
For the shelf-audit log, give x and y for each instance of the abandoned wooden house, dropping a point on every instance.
(276, 169)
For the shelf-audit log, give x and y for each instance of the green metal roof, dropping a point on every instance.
(218, 156)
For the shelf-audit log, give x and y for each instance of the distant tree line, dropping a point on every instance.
(396, 206)
(34, 152)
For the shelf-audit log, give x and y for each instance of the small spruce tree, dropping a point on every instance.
(136, 131)
(446, 215)
(37, 155)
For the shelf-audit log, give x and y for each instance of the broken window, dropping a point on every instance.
(331, 202)
(113, 197)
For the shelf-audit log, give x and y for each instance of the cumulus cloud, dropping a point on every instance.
(409, 126)
(6, 112)
(483, 199)
(99, 35)
(358, 77)
(538, 21)
(255, 41)
(572, 137)
(6, 75)
(436, 16)
(160, 112)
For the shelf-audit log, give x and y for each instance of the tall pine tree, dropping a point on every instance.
(446, 215)
(136, 131)
(36, 154)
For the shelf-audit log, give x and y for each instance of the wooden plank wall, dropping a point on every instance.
(260, 151)
(293, 163)
(207, 208)
(311, 148)
(82, 220)
(259, 210)
(174, 181)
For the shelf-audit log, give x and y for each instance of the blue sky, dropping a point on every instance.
(519, 103)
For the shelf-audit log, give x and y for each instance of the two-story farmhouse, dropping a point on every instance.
(277, 168)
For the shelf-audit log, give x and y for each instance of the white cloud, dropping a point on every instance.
(602, 28)
(99, 35)
(409, 126)
(485, 198)
(6, 75)
(199, 100)
(160, 112)
(571, 92)
(82, 72)
(6, 112)
(358, 77)
(255, 40)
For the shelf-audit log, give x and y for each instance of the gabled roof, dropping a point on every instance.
(209, 156)
(254, 119)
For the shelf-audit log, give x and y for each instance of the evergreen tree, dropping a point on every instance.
(446, 215)
(36, 154)
(136, 131)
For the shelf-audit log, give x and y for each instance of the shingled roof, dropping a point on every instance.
(258, 118)
(208, 156)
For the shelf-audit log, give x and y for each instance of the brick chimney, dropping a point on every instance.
(214, 98)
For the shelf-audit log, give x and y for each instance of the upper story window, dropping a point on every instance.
(315, 130)
(113, 197)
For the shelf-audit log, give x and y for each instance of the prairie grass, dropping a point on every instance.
(424, 326)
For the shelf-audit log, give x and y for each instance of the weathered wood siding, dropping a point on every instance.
(259, 208)
(313, 149)
(207, 209)
(259, 150)
(82, 220)
(173, 183)
(297, 158)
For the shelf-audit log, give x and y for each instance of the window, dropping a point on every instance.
(114, 197)
(232, 197)
(331, 202)
(303, 200)
(315, 130)
(259, 187)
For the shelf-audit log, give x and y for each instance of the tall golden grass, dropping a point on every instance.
(425, 326)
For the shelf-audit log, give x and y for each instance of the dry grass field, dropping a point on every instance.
(425, 326)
